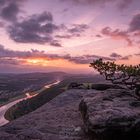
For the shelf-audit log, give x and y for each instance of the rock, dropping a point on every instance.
(6, 136)
(58, 119)
(75, 85)
(105, 86)
(29, 134)
(113, 114)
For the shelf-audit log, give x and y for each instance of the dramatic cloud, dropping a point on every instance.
(6, 55)
(10, 12)
(135, 24)
(9, 9)
(35, 29)
(117, 34)
(39, 28)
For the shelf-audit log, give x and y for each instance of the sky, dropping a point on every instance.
(67, 35)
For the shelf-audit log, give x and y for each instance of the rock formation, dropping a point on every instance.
(80, 114)
(111, 115)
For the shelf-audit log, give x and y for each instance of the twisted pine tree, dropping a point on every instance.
(119, 74)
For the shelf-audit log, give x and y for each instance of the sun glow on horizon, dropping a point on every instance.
(37, 61)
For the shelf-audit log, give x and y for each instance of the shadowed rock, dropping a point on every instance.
(111, 115)
(105, 86)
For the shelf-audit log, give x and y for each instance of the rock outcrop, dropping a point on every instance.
(80, 114)
(58, 119)
(111, 115)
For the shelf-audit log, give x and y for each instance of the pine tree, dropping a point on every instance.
(119, 74)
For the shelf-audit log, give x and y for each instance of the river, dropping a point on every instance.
(4, 108)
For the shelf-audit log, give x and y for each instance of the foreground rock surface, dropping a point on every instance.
(113, 114)
(59, 119)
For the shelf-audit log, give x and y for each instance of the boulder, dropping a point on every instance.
(113, 114)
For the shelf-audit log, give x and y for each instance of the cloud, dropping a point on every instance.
(98, 35)
(120, 57)
(115, 55)
(9, 9)
(66, 36)
(137, 54)
(126, 57)
(10, 12)
(55, 43)
(74, 30)
(117, 34)
(9, 61)
(1, 24)
(17, 57)
(135, 23)
(78, 28)
(86, 59)
(5, 53)
(131, 35)
(123, 4)
(120, 4)
(37, 28)
(94, 2)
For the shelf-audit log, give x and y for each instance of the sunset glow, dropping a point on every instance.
(35, 61)
(67, 35)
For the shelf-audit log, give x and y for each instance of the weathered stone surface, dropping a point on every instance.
(113, 114)
(59, 119)
(7, 136)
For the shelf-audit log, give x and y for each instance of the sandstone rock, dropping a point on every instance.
(111, 115)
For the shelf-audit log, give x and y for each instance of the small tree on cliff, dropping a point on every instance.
(119, 74)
